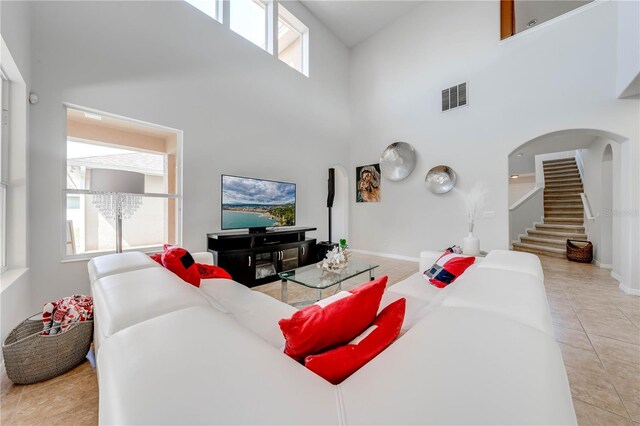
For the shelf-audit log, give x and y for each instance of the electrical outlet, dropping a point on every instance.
(489, 214)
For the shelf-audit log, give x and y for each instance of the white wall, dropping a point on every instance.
(561, 76)
(519, 187)
(601, 198)
(243, 112)
(628, 49)
(15, 284)
(526, 214)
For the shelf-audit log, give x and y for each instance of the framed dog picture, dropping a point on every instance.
(368, 184)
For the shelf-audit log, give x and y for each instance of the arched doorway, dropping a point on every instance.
(605, 252)
(340, 211)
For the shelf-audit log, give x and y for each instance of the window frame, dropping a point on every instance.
(5, 103)
(178, 196)
(295, 24)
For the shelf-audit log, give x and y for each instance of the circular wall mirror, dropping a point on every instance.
(441, 179)
(397, 161)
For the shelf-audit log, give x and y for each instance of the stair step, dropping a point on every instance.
(559, 173)
(563, 198)
(562, 191)
(548, 181)
(553, 185)
(559, 161)
(544, 242)
(562, 204)
(540, 250)
(558, 227)
(561, 211)
(556, 235)
(563, 215)
(561, 168)
(563, 220)
(564, 209)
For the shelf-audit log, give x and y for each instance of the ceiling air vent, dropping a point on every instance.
(454, 97)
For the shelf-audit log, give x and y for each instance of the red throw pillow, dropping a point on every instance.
(157, 257)
(209, 271)
(338, 364)
(447, 268)
(332, 321)
(180, 262)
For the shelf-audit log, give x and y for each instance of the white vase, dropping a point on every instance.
(470, 245)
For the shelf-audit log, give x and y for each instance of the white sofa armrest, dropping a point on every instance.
(203, 257)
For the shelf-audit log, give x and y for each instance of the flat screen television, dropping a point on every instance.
(257, 204)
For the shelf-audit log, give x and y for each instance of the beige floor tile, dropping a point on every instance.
(571, 337)
(613, 324)
(566, 320)
(8, 408)
(589, 380)
(588, 415)
(7, 387)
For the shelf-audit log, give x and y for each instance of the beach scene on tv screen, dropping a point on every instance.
(253, 203)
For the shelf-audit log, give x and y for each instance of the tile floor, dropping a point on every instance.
(596, 325)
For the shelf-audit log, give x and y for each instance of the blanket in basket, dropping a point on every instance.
(58, 316)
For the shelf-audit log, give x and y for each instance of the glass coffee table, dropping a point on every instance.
(318, 279)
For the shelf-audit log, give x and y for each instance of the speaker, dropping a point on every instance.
(332, 187)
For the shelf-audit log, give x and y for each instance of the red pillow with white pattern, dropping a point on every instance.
(332, 321)
(447, 268)
(179, 261)
(337, 364)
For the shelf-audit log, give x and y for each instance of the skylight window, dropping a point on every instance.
(293, 41)
(213, 8)
(249, 19)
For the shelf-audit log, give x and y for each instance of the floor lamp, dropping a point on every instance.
(117, 196)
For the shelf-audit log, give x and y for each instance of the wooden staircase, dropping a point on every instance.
(563, 211)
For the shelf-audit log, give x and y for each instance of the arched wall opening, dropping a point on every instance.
(340, 210)
(604, 255)
(604, 172)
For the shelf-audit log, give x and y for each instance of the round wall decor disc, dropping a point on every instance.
(398, 161)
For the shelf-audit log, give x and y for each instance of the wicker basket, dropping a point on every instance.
(580, 253)
(31, 357)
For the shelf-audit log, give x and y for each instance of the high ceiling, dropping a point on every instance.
(353, 21)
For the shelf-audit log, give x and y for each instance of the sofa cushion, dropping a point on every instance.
(332, 321)
(514, 295)
(198, 366)
(513, 261)
(111, 264)
(123, 300)
(462, 366)
(337, 364)
(256, 311)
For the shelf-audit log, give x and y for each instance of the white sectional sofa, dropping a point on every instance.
(477, 352)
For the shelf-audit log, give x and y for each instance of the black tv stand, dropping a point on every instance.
(258, 230)
(255, 257)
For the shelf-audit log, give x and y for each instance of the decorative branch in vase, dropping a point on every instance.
(473, 200)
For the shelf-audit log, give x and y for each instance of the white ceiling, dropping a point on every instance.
(353, 21)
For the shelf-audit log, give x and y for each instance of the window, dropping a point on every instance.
(255, 20)
(213, 8)
(249, 19)
(292, 41)
(4, 175)
(97, 141)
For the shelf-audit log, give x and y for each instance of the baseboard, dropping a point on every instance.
(630, 291)
(388, 255)
(616, 277)
(602, 265)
